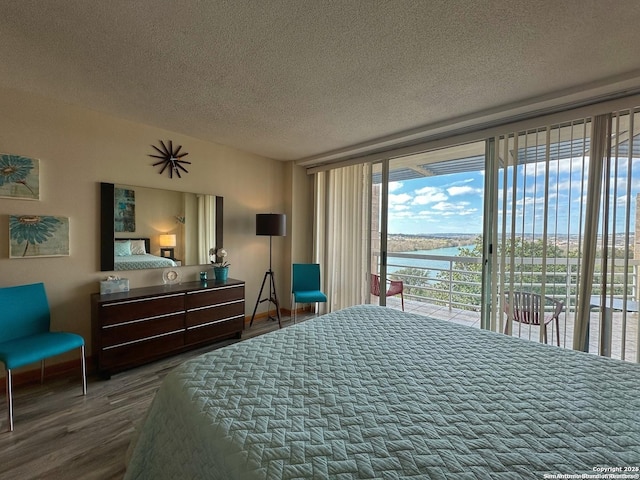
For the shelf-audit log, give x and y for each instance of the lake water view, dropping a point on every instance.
(393, 263)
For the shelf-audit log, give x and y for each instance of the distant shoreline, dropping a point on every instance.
(411, 243)
(402, 242)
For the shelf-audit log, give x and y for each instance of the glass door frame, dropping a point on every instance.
(383, 226)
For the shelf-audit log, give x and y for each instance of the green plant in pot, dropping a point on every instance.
(221, 267)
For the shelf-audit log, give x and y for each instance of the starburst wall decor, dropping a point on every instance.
(170, 158)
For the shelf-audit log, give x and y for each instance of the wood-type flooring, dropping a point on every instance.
(60, 434)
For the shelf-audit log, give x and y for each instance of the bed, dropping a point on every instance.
(132, 254)
(371, 392)
(137, 262)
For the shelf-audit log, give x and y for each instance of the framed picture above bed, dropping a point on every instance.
(124, 219)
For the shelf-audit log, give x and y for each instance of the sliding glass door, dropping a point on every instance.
(565, 228)
(540, 222)
(427, 230)
(548, 211)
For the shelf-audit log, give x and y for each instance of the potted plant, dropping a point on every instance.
(221, 267)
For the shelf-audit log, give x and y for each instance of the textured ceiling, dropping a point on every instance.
(297, 79)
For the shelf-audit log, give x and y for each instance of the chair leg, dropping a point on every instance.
(402, 298)
(295, 311)
(10, 385)
(558, 331)
(10, 400)
(84, 371)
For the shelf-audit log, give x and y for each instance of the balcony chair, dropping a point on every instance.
(396, 287)
(529, 308)
(25, 336)
(305, 285)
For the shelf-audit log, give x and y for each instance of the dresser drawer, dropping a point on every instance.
(202, 315)
(135, 353)
(135, 309)
(145, 324)
(203, 298)
(126, 332)
(215, 329)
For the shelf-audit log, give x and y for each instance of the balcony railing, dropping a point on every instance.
(455, 281)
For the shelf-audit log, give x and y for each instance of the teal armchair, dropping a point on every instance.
(25, 337)
(306, 285)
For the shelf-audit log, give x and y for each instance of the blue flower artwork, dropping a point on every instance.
(38, 236)
(125, 210)
(19, 177)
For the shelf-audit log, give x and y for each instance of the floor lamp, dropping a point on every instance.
(272, 224)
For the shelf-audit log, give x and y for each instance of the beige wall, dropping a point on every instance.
(299, 247)
(79, 148)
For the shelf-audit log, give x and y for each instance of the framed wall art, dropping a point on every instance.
(38, 236)
(19, 177)
(125, 210)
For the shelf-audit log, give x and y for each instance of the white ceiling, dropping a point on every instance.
(293, 79)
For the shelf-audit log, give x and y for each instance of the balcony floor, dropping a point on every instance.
(472, 319)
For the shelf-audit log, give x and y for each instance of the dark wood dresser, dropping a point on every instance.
(144, 324)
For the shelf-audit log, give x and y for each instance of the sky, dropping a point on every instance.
(454, 203)
(441, 204)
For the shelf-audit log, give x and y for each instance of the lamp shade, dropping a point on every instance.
(273, 224)
(167, 240)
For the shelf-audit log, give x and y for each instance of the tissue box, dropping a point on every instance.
(114, 286)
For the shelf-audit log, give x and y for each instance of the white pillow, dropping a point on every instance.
(137, 247)
(122, 248)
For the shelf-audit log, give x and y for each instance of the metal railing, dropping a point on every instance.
(455, 281)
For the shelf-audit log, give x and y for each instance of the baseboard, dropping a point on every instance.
(284, 312)
(31, 376)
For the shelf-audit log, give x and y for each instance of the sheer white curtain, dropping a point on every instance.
(206, 226)
(566, 221)
(340, 233)
(600, 147)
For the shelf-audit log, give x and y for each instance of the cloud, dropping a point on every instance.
(448, 209)
(459, 182)
(393, 186)
(399, 208)
(427, 190)
(441, 206)
(427, 195)
(399, 199)
(463, 190)
(403, 214)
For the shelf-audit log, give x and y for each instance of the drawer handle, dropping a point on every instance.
(142, 340)
(215, 305)
(137, 320)
(146, 299)
(214, 322)
(214, 289)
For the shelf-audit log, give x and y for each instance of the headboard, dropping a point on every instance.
(147, 242)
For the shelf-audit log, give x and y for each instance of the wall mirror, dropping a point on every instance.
(143, 227)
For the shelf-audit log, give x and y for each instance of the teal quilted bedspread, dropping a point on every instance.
(370, 392)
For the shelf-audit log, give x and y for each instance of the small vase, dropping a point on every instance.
(221, 273)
